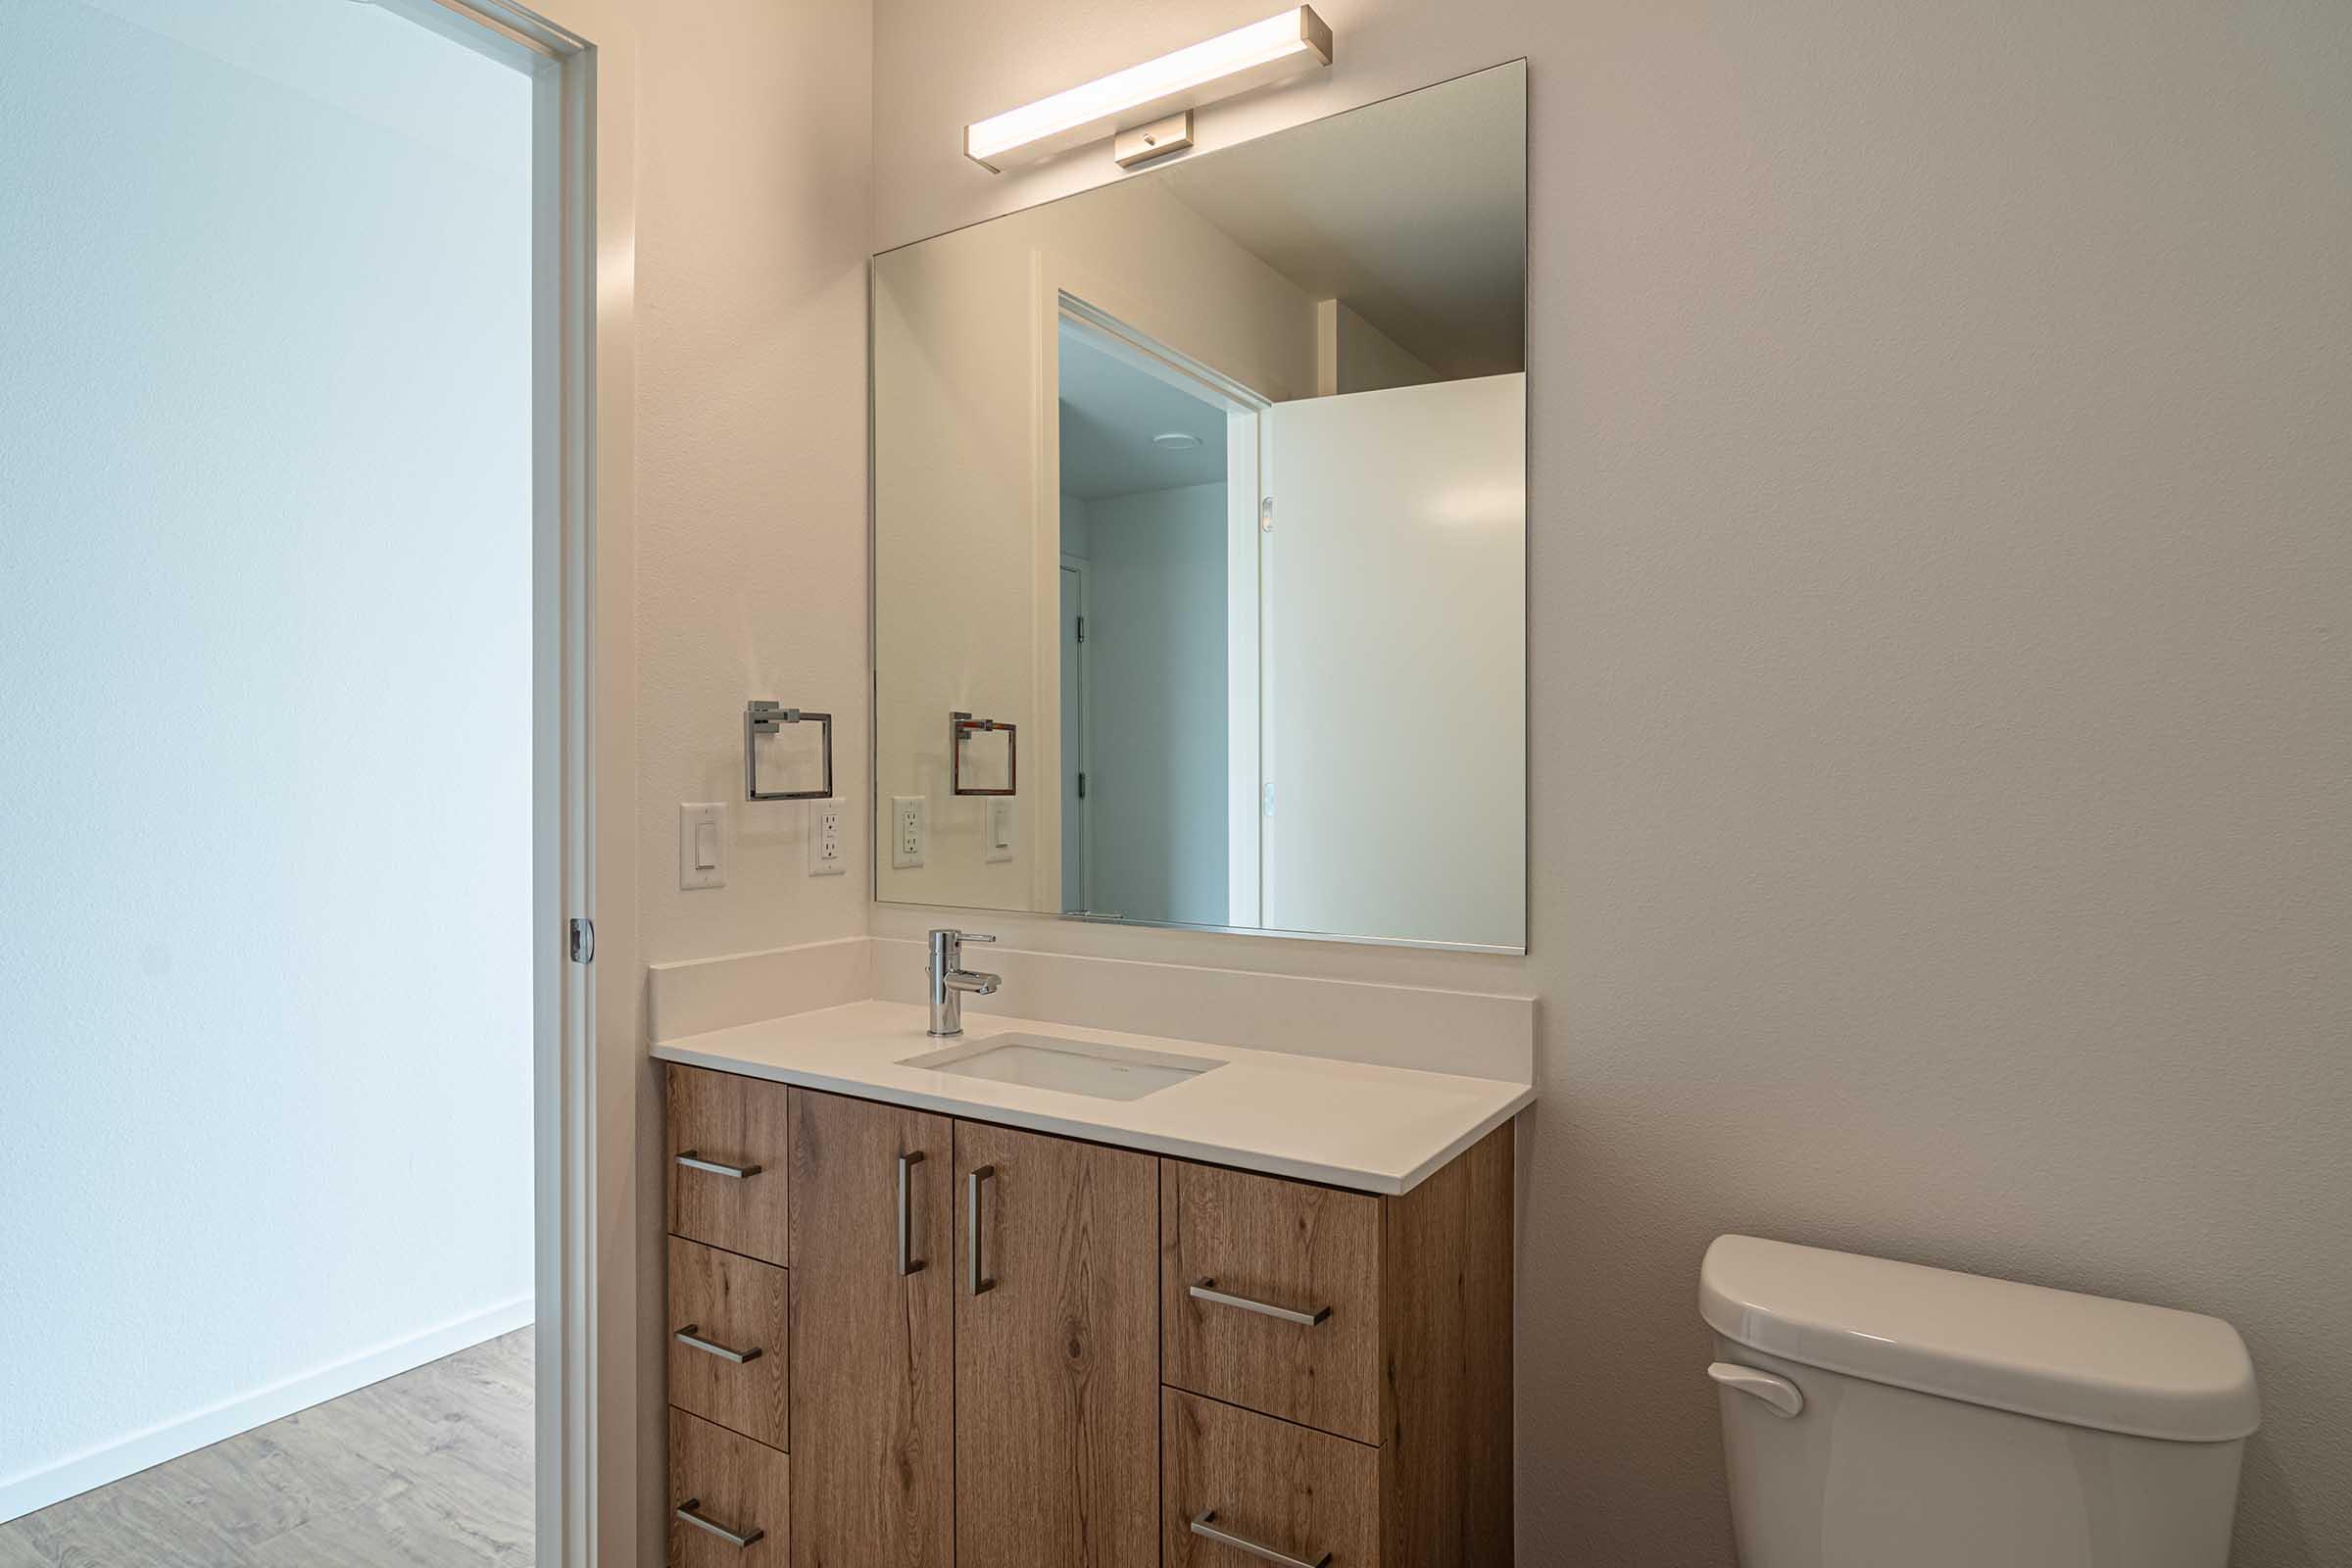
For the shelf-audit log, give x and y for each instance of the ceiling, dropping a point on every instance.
(1412, 210)
(1110, 412)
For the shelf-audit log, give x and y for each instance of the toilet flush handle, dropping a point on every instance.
(1784, 1396)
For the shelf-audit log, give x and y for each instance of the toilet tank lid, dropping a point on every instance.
(2081, 1359)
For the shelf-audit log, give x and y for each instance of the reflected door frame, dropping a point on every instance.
(1120, 326)
(1074, 770)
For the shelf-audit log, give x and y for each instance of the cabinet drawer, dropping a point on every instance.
(1271, 1297)
(730, 1341)
(728, 1498)
(727, 1161)
(1233, 1481)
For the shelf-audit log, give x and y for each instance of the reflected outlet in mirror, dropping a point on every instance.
(1071, 1066)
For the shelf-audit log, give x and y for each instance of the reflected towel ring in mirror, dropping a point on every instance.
(960, 728)
(769, 718)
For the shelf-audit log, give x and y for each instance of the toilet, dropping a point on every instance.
(1882, 1415)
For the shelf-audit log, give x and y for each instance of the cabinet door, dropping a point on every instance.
(872, 1335)
(1057, 1352)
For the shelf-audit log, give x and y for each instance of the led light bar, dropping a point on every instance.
(1281, 46)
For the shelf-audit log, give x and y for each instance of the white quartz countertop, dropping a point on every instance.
(1343, 1123)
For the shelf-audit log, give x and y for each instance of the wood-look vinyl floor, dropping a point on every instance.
(424, 1470)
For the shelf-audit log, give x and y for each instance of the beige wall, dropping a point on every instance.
(751, 153)
(1940, 736)
(751, 485)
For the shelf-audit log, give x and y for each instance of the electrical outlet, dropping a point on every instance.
(909, 825)
(824, 839)
(999, 830)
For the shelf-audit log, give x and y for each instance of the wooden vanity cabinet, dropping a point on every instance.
(1005, 1350)
(1292, 1316)
(873, 1396)
(1057, 1352)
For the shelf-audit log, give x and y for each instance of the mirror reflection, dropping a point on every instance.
(1199, 539)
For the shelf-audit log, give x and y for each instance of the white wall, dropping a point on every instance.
(265, 645)
(1394, 721)
(1940, 730)
(1155, 667)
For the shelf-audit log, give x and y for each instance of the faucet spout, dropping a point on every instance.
(951, 981)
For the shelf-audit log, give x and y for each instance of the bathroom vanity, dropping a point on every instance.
(1259, 1311)
(1198, 600)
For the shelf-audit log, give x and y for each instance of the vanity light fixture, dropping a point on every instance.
(1153, 102)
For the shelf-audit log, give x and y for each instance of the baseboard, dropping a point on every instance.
(78, 1473)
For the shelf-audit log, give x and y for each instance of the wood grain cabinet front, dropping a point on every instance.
(731, 1346)
(987, 1347)
(1242, 1488)
(1270, 1295)
(1057, 1352)
(873, 1351)
(729, 1163)
(730, 1498)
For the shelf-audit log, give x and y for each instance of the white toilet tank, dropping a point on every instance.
(1882, 1415)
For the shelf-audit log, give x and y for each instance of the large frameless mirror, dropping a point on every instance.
(1200, 536)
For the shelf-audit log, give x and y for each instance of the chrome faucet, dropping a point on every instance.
(949, 980)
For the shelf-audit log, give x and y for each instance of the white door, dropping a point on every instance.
(1394, 670)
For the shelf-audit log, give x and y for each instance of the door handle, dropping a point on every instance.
(981, 1283)
(690, 1511)
(693, 1160)
(691, 1334)
(908, 1262)
(1205, 1526)
(1780, 1396)
(1207, 1291)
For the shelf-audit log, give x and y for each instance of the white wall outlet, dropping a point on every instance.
(824, 839)
(1000, 830)
(909, 825)
(701, 843)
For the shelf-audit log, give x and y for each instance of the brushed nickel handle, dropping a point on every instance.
(1206, 1526)
(1207, 1291)
(691, 1334)
(693, 1160)
(981, 1283)
(908, 1262)
(691, 1510)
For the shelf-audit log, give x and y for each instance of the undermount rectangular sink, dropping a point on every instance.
(1072, 1066)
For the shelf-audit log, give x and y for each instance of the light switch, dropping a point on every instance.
(999, 830)
(701, 843)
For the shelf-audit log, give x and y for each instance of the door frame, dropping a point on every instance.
(1063, 292)
(591, 1087)
(1081, 568)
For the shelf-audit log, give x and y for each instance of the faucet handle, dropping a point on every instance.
(974, 936)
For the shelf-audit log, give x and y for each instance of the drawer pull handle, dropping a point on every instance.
(691, 1510)
(981, 1283)
(1207, 1291)
(693, 1160)
(1206, 1526)
(691, 1334)
(908, 1263)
